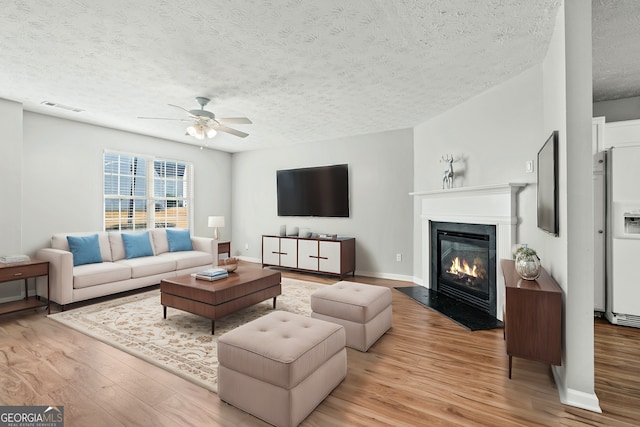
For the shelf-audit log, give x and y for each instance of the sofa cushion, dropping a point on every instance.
(98, 274)
(117, 246)
(85, 249)
(148, 266)
(188, 259)
(179, 240)
(137, 245)
(160, 242)
(59, 241)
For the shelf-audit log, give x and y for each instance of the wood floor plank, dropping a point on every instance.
(81, 409)
(426, 370)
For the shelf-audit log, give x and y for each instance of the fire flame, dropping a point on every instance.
(458, 268)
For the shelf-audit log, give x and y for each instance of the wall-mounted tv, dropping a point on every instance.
(318, 191)
(548, 217)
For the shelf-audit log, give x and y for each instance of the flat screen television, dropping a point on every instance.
(318, 191)
(548, 185)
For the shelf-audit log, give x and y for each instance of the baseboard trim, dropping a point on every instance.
(389, 276)
(17, 297)
(571, 397)
(12, 298)
(250, 259)
(418, 281)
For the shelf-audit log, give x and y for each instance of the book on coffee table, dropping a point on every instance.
(211, 274)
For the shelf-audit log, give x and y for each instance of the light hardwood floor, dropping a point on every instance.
(426, 370)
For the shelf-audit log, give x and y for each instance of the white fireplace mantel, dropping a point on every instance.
(490, 204)
(481, 189)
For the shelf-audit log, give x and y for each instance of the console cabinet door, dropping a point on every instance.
(329, 257)
(271, 250)
(289, 252)
(308, 254)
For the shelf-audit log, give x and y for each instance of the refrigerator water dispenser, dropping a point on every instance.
(632, 223)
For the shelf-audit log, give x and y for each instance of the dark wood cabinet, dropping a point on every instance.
(533, 316)
(327, 256)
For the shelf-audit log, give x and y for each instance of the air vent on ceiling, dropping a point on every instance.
(64, 107)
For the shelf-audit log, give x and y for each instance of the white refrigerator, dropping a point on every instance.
(623, 236)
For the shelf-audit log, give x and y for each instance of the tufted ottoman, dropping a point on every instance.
(363, 310)
(281, 366)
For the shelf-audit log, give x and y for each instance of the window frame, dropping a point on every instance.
(151, 218)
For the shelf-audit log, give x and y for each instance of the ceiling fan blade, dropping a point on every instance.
(182, 108)
(232, 131)
(235, 121)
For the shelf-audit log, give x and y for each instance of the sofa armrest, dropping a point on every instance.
(206, 244)
(60, 275)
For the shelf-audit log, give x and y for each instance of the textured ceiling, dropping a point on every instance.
(616, 49)
(300, 70)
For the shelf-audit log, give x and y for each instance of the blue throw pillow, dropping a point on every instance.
(85, 249)
(179, 240)
(136, 245)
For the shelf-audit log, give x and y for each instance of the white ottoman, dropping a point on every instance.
(281, 366)
(363, 310)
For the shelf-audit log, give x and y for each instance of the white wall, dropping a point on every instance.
(618, 110)
(11, 188)
(575, 379)
(380, 178)
(568, 108)
(554, 118)
(11, 170)
(62, 179)
(492, 136)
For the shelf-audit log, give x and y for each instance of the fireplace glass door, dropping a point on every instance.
(464, 265)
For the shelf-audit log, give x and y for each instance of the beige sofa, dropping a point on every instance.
(116, 273)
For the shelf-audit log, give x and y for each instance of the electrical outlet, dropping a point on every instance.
(528, 166)
(246, 246)
(398, 257)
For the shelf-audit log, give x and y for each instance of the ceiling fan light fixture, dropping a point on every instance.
(205, 124)
(196, 131)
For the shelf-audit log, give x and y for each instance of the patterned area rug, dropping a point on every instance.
(182, 343)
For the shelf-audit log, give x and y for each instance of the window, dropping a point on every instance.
(142, 192)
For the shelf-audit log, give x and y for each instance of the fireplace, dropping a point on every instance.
(463, 263)
(494, 205)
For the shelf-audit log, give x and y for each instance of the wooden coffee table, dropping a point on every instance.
(243, 288)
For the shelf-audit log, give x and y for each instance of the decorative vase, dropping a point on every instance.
(229, 264)
(528, 264)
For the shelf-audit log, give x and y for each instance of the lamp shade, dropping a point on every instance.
(196, 131)
(211, 132)
(199, 131)
(216, 221)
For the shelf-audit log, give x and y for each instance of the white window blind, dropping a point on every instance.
(142, 192)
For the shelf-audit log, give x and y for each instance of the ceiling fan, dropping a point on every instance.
(204, 123)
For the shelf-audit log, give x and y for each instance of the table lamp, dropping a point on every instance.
(216, 221)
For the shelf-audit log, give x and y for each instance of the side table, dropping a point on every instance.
(224, 248)
(22, 271)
